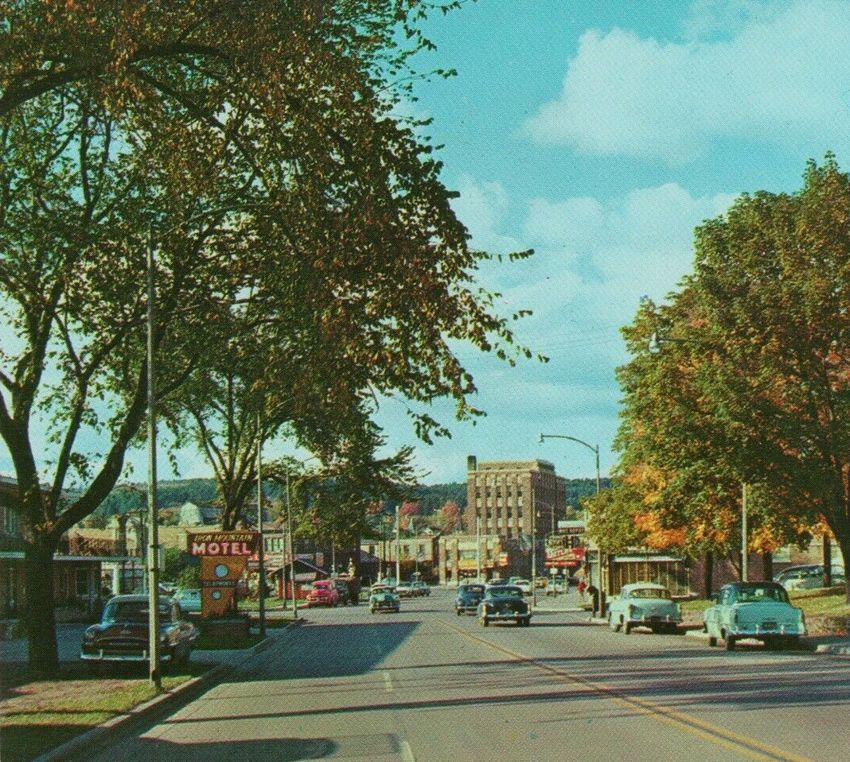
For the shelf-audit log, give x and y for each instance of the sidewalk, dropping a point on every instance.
(559, 603)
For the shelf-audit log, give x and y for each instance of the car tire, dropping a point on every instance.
(729, 642)
(627, 628)
(371, 610)
(615, 625)
(485, 622)
(712, 641)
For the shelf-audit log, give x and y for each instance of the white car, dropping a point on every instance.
(644, 604)
(524, 585)
(807, 577)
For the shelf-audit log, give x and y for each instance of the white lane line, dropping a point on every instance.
(388, 682)
(407, 752)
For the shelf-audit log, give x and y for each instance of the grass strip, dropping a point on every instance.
(39, 715)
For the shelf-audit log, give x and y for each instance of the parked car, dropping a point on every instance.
(123, 632)
(404, 589)
(759, 610)
(644, 604)
(420, 588)
(496, 582)
(323, 593)
(342, 594)
(384, 598)
(503, 603)
(541, 582)
(189, 600)
(556, 586)
(807, 577)
(523, 584)
(468, 597)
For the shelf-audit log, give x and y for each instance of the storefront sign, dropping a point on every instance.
(224, 558)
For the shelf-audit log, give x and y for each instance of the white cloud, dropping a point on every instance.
(782, 79)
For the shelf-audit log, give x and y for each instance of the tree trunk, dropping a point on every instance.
(844, 544)
(767, 566)
(708, 575)
(40, 617)
(827, 561)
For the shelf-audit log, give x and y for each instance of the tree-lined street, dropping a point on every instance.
(428, 685)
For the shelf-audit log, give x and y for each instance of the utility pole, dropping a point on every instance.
(397, 549)
(261, 550)
(478, 547)
(291, 547)
(744, 572)
(153, 533)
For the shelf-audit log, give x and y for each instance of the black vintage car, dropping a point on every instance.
(122, 634)
(468, 597)
(504, 603)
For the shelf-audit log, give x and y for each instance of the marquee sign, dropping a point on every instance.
(224, 558)
(222, 543)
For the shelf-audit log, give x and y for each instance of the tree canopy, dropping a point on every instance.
(256, 148)
(750, 381)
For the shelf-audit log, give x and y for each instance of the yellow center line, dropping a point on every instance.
(717, 735)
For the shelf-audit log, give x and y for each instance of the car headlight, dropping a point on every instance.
(89, 636)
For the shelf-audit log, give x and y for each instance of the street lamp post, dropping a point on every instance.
(595, 450)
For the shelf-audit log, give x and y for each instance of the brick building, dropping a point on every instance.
(512, 498)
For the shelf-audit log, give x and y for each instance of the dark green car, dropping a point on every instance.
(504, 603)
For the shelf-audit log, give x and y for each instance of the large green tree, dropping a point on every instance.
(751, 381)
(256, 145)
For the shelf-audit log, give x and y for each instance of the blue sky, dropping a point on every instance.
(600, 134)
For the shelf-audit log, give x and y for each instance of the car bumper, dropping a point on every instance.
(648, 620)
(508, 616)
(105, 656)
(760, 631)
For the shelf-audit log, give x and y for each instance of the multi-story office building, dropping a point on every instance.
(513, 498)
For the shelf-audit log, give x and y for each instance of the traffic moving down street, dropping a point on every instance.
(427, 685)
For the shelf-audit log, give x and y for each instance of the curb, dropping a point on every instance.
(97, 735)
(833, 649)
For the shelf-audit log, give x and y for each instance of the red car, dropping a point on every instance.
(324, 593)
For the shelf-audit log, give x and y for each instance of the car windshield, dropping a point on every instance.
(650, 592)
(129, 611)
(504, 591)
(757, 593)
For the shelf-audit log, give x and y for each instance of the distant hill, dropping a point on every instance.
(431, 497)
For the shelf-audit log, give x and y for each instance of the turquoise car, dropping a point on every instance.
(384, 598)
(754, 610)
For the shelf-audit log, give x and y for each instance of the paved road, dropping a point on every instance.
(426, 685)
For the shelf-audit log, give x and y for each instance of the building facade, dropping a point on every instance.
(513, 498)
